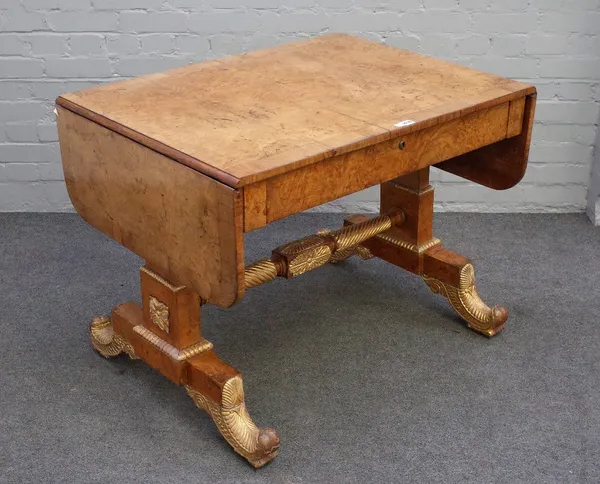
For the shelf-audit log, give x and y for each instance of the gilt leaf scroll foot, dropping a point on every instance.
(106, 342)
(468, 304)
(258, 446)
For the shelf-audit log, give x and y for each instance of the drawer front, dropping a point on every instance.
(342, 175)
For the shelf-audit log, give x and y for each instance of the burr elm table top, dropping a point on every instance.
(246, 118)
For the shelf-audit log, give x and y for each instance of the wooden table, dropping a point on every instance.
(177, 166)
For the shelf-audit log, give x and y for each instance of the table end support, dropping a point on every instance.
(411, 246)
(165, 333)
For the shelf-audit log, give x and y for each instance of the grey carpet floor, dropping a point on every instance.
(366, 375)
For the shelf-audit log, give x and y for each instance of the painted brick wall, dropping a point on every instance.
(593, 196)
(52, 46)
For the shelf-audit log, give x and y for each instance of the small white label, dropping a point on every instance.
(406, 122)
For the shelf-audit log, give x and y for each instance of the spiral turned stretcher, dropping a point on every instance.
(306, 254)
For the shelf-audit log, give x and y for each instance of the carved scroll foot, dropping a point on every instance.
(106, 342)
(258, 446)
(466, 302)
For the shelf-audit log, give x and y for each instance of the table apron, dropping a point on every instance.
(348, 173)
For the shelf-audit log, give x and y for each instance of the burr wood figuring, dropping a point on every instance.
(177, 166)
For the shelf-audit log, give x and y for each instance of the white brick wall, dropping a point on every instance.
(593, 196)
(52, 46)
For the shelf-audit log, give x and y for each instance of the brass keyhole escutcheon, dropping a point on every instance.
(402, 145)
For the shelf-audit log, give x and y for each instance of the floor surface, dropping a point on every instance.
(366, 375)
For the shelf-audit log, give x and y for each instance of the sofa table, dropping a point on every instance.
(177, 166)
